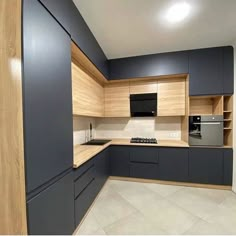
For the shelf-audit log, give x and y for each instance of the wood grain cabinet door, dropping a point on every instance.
(171, 97)
(87, 94)
(117, 100)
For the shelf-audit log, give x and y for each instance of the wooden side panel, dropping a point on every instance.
(12, 177)
(117, 100)
(138, 87)
(199, 106)
(171, 97)
(88, 94)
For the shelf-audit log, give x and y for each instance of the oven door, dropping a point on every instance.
(206, 134)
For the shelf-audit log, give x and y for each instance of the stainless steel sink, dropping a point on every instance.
(97, 142)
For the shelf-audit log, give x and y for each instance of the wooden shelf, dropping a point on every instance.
(227, 111)
(227, 119)
(226, 128)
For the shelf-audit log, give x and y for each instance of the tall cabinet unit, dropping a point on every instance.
(47, 102)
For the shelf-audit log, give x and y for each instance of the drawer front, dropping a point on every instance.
(84, 180)
(144, 154)
(84, 201)
(143, 170)
(82, 169)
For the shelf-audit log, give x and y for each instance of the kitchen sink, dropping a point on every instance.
(97, 142)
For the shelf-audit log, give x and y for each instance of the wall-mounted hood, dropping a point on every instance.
(143, 105)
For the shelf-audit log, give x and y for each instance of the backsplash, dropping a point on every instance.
(158, 127)
(81, 128)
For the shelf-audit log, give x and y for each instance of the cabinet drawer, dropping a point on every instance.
(144, 154)
(84, 180)
(82, 169)
(84, 201)
(143, 170)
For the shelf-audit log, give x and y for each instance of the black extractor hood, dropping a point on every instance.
(143, 105)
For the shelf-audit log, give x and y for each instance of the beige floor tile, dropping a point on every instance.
(89, 225)
(169, 216)
(230, 202)
(163, 190)
(194, 202)
(135, 224)
(204, 228)
(136, 194)
(225, 217)
(111, 208)
(100, 232)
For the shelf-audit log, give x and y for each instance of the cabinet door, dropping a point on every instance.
(143, 170)
(86, 41)
(144, 154)
(171, 97)
(206, 71)
(52, 211)
(173, 164)
(171, 63)
(119, 161)
(88, 94)
(102, 168)
(61, 10)
(228, 166)
(206, 165)
(117, 102)
(47, 96)
(228, 70)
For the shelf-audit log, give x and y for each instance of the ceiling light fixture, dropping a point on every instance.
(178, 12)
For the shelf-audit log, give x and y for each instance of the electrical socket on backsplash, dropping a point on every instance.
(174, 135)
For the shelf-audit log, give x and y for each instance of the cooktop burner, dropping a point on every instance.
(143, 140)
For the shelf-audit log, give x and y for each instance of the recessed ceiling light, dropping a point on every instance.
(178, 12)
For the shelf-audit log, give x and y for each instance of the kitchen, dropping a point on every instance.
(93, 142)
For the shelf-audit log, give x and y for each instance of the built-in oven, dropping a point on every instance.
(206, 130)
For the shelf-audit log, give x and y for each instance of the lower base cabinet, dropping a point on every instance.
(228, 167)
(206, 165)
(173, 164)
(52, 210)
(119, 161)
(88, 181)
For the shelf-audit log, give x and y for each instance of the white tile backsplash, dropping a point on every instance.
(81, 128)
(159, 127)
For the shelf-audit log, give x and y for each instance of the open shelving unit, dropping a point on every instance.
(215, 105)
(228, 120)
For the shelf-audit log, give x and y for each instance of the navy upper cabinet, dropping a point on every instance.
(61, 10)
(149, 65)
(47, 99)
(228, 70)
(85, 40)
(211, 71)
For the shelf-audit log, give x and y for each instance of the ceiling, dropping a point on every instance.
(138, 27)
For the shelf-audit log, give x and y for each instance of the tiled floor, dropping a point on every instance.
(145, 208)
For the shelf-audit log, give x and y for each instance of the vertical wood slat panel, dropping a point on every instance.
(12, 176)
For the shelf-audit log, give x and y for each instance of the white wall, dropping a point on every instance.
(234, 128)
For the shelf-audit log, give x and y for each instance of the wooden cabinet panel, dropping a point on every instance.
(88, 95)
(137, 87)
(171, 97)
(117, 100)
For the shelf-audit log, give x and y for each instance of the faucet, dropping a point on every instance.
(90, 131)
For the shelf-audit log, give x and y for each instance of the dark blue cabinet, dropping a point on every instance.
(85, 40)
(206, 165)
(61, 10)
(206, 71)
(119, 161)
(102, 168)
(52, 211)
(228, 70)
(47, 98)
(149, 65)
(173, 164)
(228, 166)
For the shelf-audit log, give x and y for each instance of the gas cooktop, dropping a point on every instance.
(143, 140)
